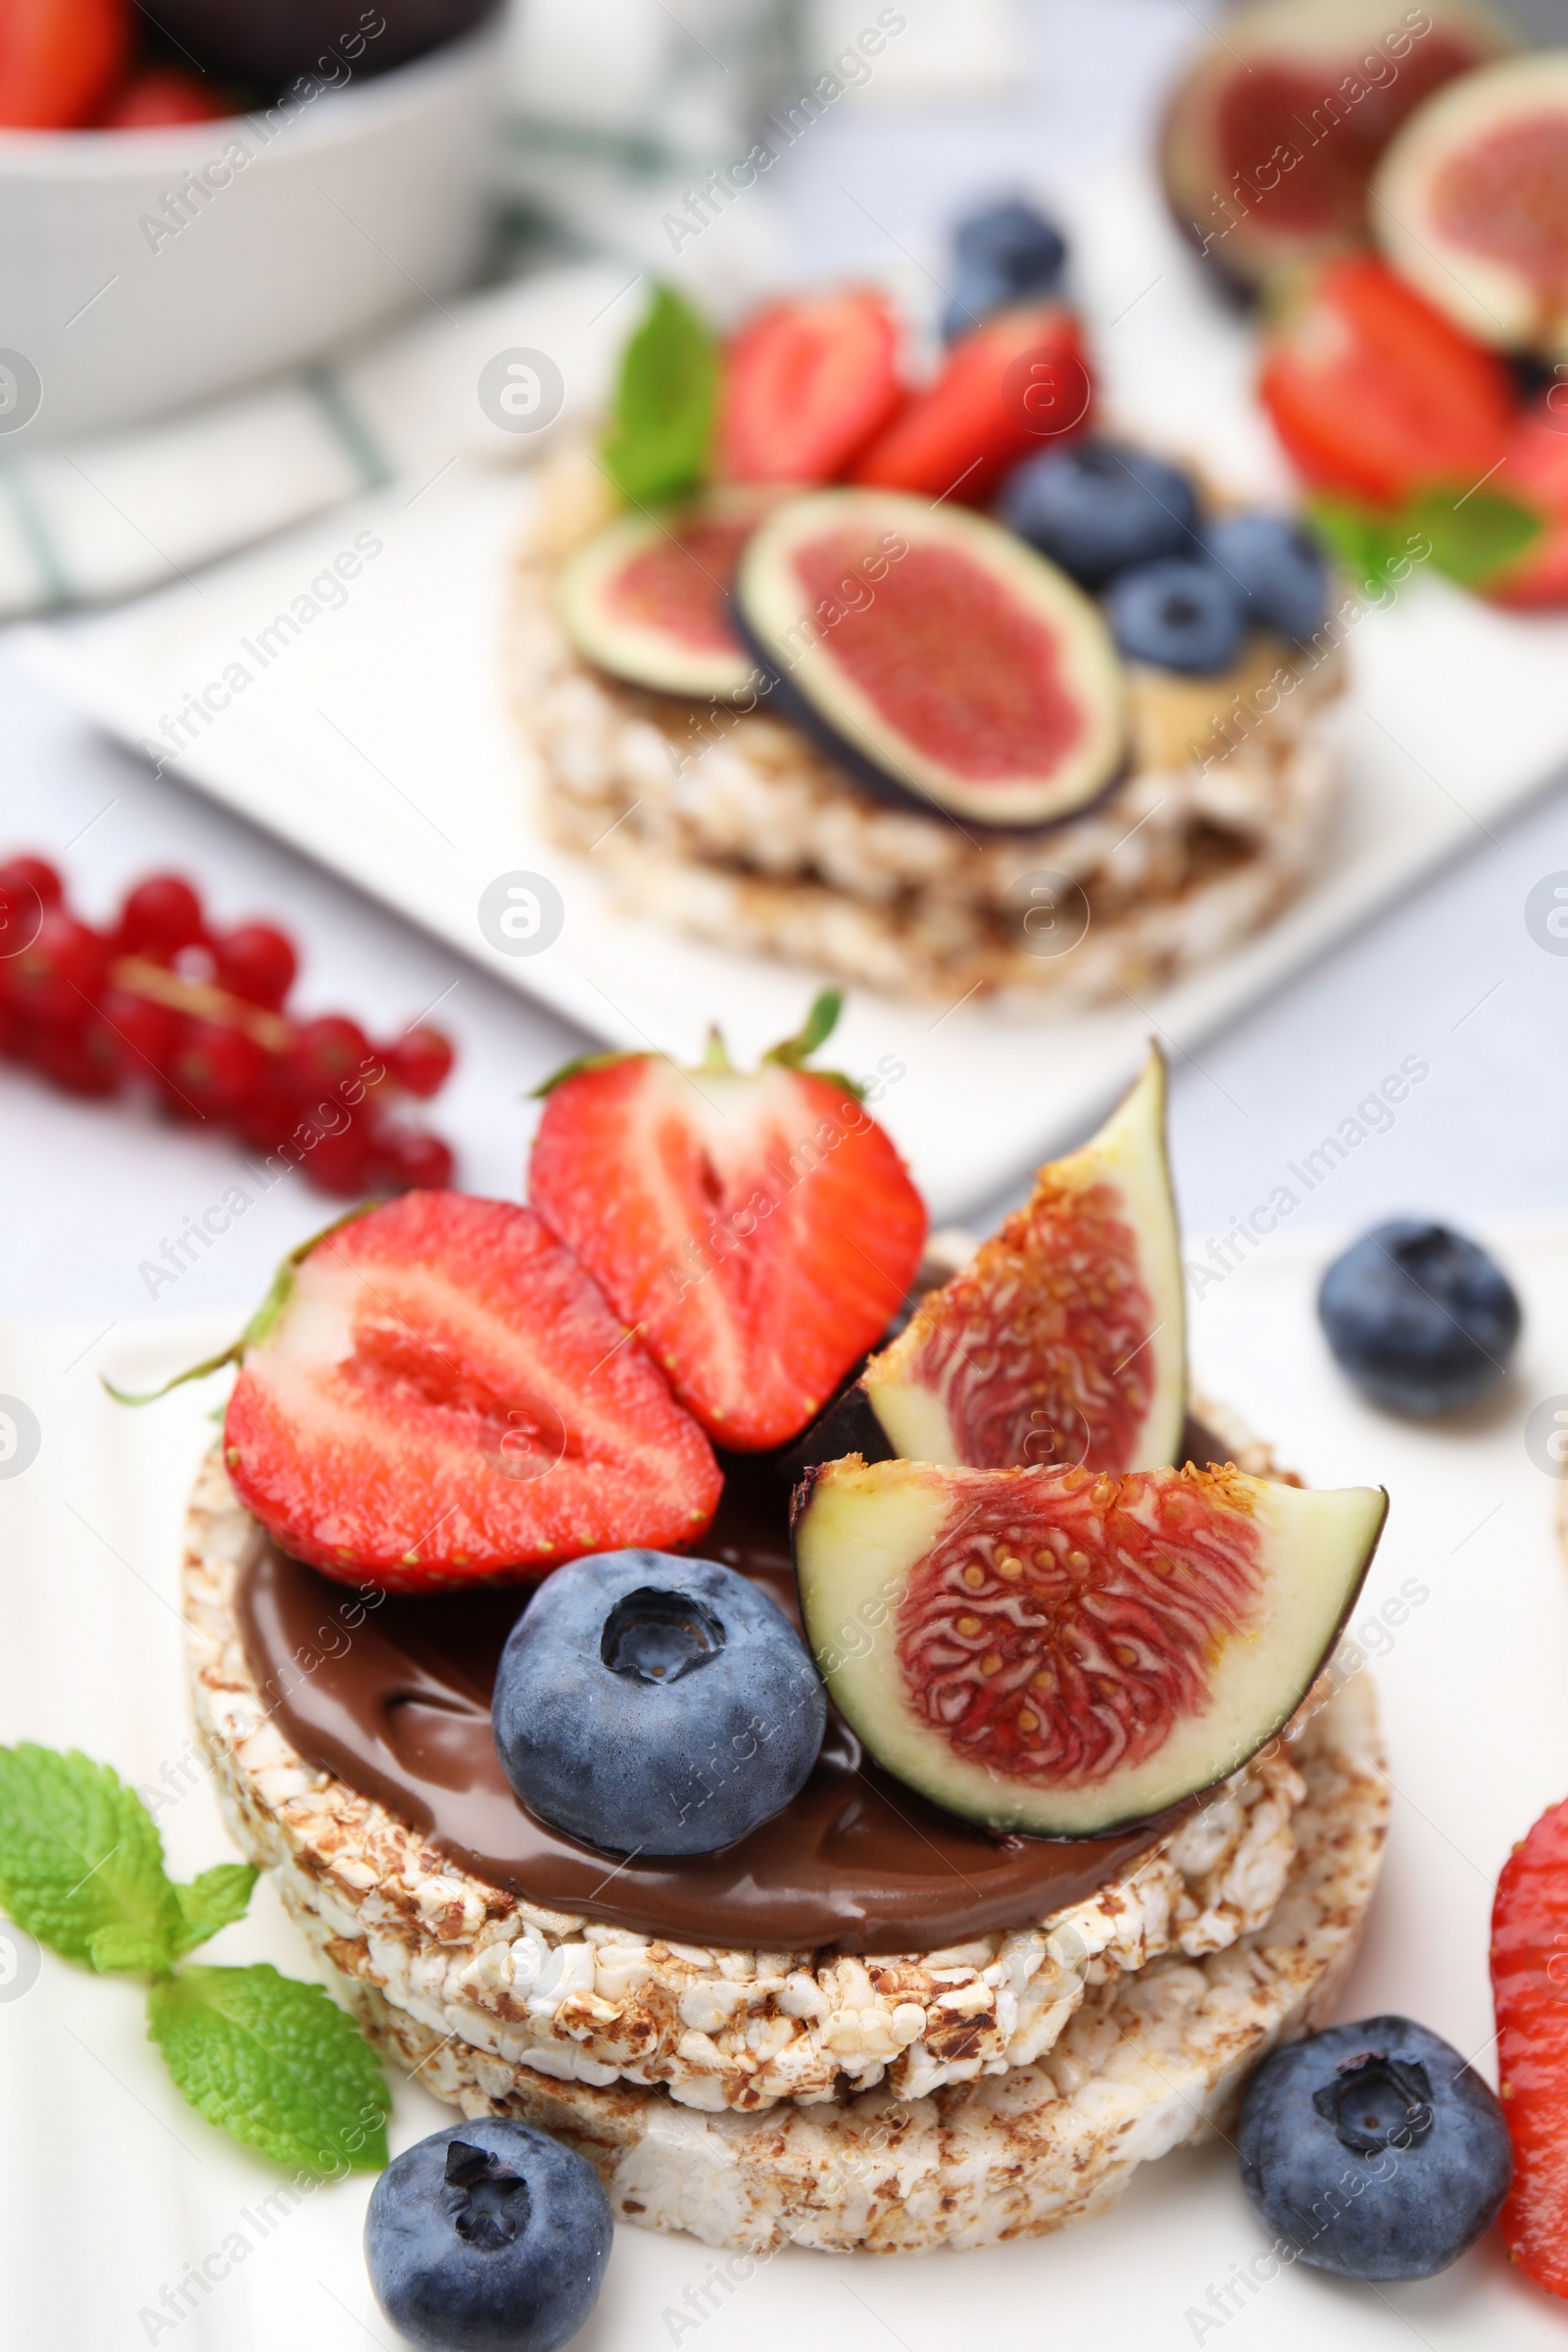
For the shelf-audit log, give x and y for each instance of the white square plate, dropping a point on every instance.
(110, 2187)
(378, 742)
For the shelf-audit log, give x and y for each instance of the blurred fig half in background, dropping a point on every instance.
(1271, 137)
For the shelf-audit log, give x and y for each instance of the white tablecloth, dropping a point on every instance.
(1453, 979)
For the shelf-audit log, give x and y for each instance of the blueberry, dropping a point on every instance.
(1099, 509)
(489, 2236)
(1276, 567)
(1179, 614)
(655, 1705)
(1008, 253)
(1372, 2150)
(1422, 1320)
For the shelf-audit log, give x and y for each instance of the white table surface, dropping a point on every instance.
(1450, 977)
(88, 1192)
(1469, 1681)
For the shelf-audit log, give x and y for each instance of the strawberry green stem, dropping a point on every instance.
(259, 1324)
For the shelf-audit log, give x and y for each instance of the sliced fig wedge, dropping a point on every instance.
(1059, 1653)
(648, 596)
(937, 658)
(1471, 203)
(1064, 1340)
(1270, 139)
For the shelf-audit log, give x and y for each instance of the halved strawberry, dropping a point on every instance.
(1530, 1990)
(434, 1391)
(1017, 384)
(1371, 391)
(1535, 472)
(808, 383)
(758, 1227)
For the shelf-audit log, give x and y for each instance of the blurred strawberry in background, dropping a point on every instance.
(60, 60)
(160, 95)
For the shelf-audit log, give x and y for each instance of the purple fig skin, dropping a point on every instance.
(272, 41)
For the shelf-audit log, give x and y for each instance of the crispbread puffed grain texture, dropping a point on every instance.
(577, 1999)
(733, 826)
(1151, 2061)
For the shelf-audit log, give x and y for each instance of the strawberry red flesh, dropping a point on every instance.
(1530, 1989)
(1372, 392)
(1012, 387)
(760, 1229)
(1535, 473)
(446, 1397)
(806, 385)
(59, 59)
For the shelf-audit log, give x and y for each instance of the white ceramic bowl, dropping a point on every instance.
(141, 271)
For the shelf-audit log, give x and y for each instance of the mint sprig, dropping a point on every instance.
(81, 1864)
(656, 445)
(214, 1900)
(1366, 541)
(267, 2058)
(275, 2062)
(1470, 536)
(1474, 535)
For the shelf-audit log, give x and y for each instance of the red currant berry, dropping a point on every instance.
(268, 1119)
(160, 916)
(421, 1062)
(146, 1031)
(415, 1160)
(25, 872)
(84, 1061)
(17, 1036)
(328, 1052)
(57, 979)
(22, 914)
(256, 962)
(340, 1164)
(216, 1068)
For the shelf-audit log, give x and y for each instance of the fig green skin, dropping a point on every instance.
(1174, 1803)
(884, 783)
(271, 41)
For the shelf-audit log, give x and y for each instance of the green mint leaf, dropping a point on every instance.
(657, 447)
(215, 1899)
(275, 2062)
(120, 1948)
(1474, 535)
(81, 1864)
(1365, 541)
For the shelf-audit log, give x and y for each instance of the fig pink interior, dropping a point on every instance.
(946, 657)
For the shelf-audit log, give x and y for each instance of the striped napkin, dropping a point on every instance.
(620, 116)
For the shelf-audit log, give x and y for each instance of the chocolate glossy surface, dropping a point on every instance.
(393, 1695)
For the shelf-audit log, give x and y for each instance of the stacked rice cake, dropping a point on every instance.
(734, 826)
(990, 2090)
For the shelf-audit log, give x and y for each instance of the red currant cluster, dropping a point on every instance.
(197, 1016)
